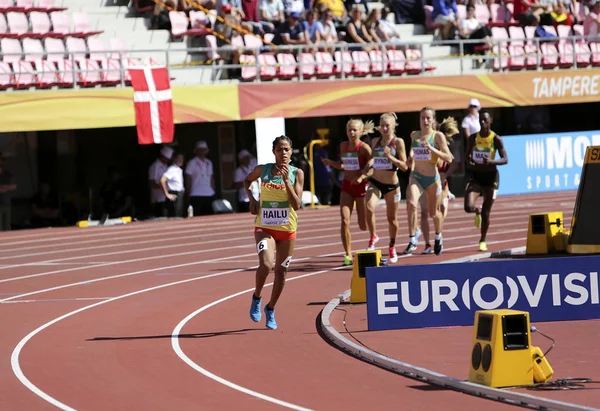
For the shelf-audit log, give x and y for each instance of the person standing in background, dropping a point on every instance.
(7, 185)
(173, 188)
(247, 163)
(200, 181)
(155, 172)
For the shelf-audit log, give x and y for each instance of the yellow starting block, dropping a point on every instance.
(546, 233)
(502, 355)
(108, 222)
(358, 286)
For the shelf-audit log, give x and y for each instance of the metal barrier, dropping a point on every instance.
(221, 71)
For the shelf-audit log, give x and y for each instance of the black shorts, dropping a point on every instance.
(383, 188)
(485, 179)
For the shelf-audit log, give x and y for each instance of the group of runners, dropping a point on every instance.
(370, 174)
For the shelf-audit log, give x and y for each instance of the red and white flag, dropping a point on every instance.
(153, 103)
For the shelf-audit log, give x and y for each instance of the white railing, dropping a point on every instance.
(220, 71)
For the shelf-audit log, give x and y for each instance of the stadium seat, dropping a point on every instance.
(82, 26)
(7, 78)
(12, 51)
(362, 63)
(344, 63)
(46, 70)
(40, 24)
(520, 47)
(248, 61)
(211, 42)
(584, 56)
(549, 50)
(269, 37)
(308, 65)
(595, 50)
(462, 11)
(325, 64)
(500, 50)
(48, 6)
(199, 20)
(61, 24)
(566, 47)
(90, 73)
(482, 14)
(396, 60)
(287, 65)
(4, 28)
(378, 63)
(26, 6)
(8, 6)
(18, 24)
(266, 60)
(180, 24)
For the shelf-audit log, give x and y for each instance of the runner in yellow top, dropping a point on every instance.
(484, 178)
(428, 145)
(275, 223)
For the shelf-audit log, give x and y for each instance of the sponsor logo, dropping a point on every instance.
(487, 293)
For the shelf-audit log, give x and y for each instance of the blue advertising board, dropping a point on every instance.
(544, 162)
(444, 295)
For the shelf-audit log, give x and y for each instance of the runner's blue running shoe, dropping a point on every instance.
(255, 309)
(270, 318)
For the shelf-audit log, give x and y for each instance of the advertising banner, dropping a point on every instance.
(544, 162)
(445, 295)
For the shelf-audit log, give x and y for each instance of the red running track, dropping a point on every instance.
(154, 315)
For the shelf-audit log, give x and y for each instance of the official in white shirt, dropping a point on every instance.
(173, 188)
(155, 172)
(200, 181)
(247, 163)
(470, 124)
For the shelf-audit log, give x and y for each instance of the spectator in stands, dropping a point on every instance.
(247, 163)
(408, 11)
(7, 185)
(160, 18)
(374, 27)
(45, 211)
(272, 12)
(155, 172)
(115, 196)
(200, 181)
(470, 28)
(356, 31)
(386, 29)
(208, 4)
(252, 16)
(445, 12)
(290, 6)
(349, 4)
(336, 7)
(311, 31)
(560, 15)
(532, 12)
(172, 185)
(290, 32)
(327, 31)
(592, 21)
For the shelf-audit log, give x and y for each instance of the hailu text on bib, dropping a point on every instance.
(350, 161)
(421, 153)
(381, 162)
(275, 213)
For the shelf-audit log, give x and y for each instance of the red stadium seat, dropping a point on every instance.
(8, 5)
(34, 53)
(397, 60)
(325, 64)
(7, 78)
(18, 24)
(344, 63)
(82, 26)
(40, 25)
(521, 45)
(287, 65)
(378, 63)
(308, 65)
(362, 63)
(48, 6)
(61, 24)
(180, 24)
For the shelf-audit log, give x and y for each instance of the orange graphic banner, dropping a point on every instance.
(101, 108)
(368, 96)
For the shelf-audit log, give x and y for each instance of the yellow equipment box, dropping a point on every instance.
(358, 286)
(544, 233)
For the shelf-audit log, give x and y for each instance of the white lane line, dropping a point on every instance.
(177, 348)
(14, 359)
(452, 220)
(56, 300)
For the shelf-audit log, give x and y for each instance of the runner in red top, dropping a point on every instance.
(356, 160)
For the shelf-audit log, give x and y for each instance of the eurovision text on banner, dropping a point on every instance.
(153, 101)
(445, 295)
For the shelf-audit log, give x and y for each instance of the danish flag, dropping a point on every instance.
(153, 103)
